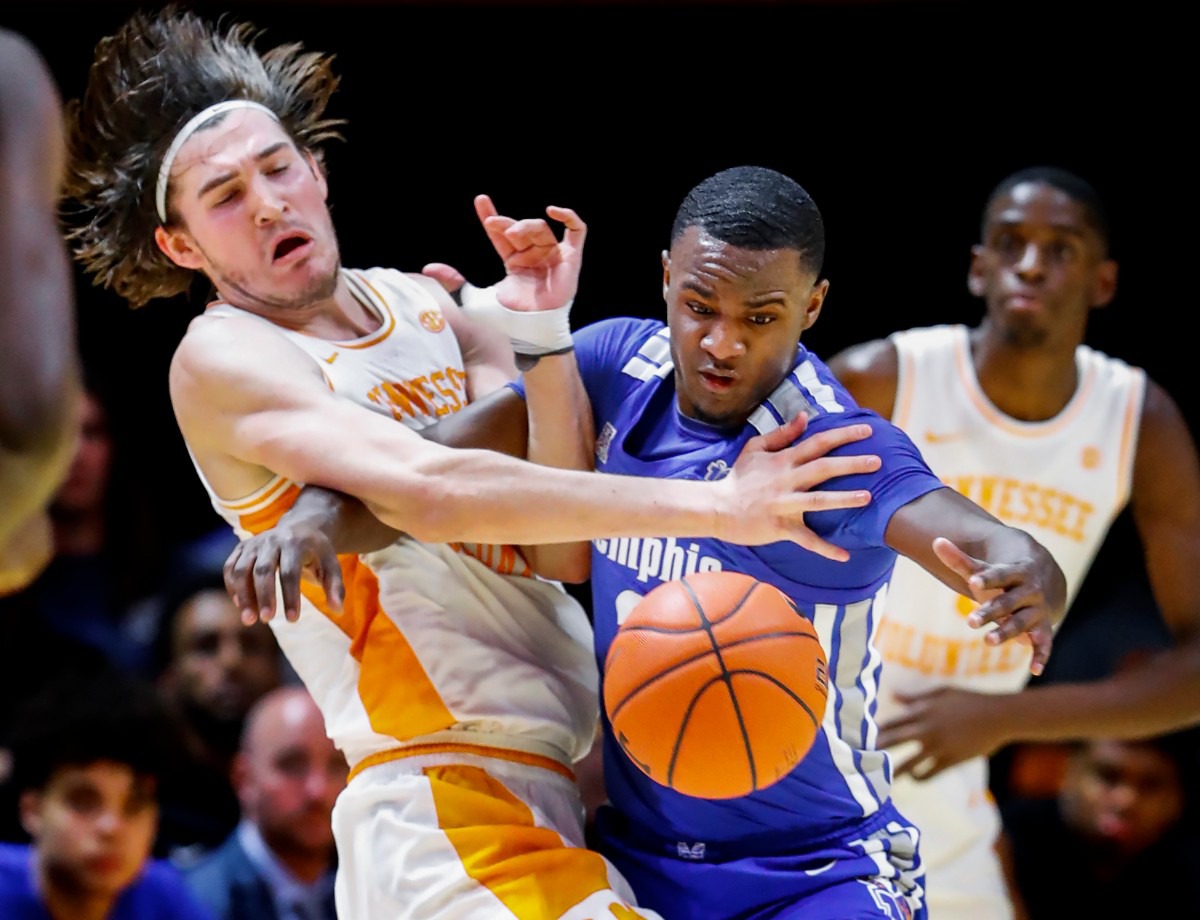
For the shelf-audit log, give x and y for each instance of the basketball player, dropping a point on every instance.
(459, 687)
(40, 394)
(742, 282)
(1053, 437)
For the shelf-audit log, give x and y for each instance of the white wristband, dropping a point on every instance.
(542, 332)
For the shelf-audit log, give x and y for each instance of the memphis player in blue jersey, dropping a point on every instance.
(681, 400)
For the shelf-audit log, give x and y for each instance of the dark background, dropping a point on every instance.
(897, 116)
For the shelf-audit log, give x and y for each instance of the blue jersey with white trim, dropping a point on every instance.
(627, 371)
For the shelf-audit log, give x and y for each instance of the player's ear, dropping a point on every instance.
(975, 273)
(177, 246)
(666, 264)
(816, 299)
(1104, 286)
(29, 806)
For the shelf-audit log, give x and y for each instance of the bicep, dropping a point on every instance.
(1166, 509)
(244, 392)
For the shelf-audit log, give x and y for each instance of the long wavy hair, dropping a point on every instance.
(145, 82)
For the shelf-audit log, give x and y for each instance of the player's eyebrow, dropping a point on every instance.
(219, 180)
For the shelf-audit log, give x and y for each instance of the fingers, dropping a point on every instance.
(576, 229)
(532, 242)
(814, 544)
(235, 587)
(1041, 638)
(265, 566)
(897, 731)
(909, 766)
(449, 277)
(963, 565)
(782, 437)
(329, 574)
(814, 472)
(821, 443)
(291, 570)
(803, 502)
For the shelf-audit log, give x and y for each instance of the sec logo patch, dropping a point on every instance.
(432, 320)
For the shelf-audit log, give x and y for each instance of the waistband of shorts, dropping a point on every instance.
(636, 835)
(438, 747)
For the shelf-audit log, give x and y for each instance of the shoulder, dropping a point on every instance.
(870, 372)
(221, 346)
(222, 862)
(621, 336)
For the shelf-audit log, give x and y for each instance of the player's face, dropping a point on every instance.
(219, 666)
(1040, 268)
(252, 216)
(290, 777)
(736, 316)
(93, 827)
(1125, 795)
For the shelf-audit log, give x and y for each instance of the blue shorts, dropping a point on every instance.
(869, 872)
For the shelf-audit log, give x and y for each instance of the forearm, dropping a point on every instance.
(496, 422)
(440, 495)
(1160, 695)
(561, 434)
(484, 497)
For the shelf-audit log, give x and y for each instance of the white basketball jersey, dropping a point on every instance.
(1063, 481)
(439, 647)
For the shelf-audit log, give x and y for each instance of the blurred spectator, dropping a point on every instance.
(279, 863)
(88, 755)
(212, 670)
(1116, 837)
(95, 572)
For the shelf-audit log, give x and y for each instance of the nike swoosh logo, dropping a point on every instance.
(332, 357)
(821, 869)
(940, 437)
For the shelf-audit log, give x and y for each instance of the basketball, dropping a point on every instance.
(715, 685)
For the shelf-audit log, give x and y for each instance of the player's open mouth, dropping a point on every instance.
(718, 380)
(292, 246)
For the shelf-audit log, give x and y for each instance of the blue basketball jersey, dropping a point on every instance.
(628, 373)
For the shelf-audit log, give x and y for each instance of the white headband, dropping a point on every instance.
(164, 171)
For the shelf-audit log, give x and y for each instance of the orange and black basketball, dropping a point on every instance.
(715, 685)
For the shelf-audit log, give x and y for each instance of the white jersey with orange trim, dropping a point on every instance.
(1063, 481)
(439, 647)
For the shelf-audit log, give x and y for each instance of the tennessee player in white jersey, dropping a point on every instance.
(1052, 437)
(456, 684)
(449, 666)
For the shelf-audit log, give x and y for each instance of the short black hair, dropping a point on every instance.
(173, 600)
(755, 208)
(104, 714)
(1070, 184)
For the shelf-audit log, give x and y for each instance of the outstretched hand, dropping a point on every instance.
(541, 272)
(769, 486)
(1021, 598)
(948, 725)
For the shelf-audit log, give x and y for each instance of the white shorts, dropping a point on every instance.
(466, 837)
(959, 824)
